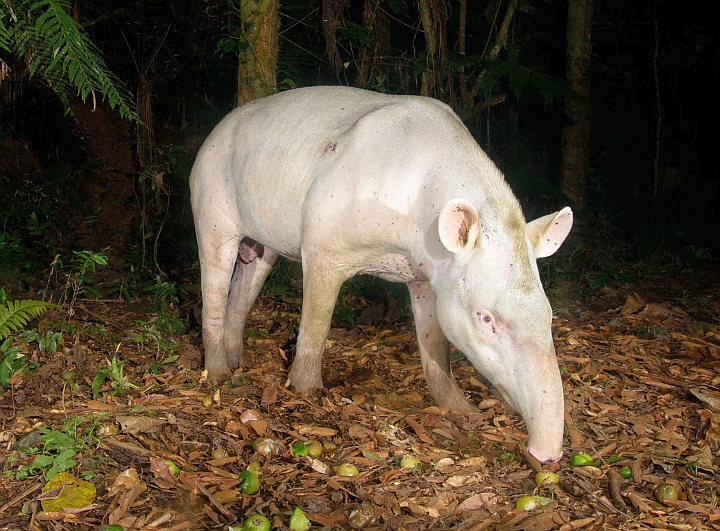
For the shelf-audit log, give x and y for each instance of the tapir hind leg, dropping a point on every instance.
(217, 261)
(247, 281)
(435, 350)
(321, 284)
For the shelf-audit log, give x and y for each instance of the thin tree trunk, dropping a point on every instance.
(436, 77)
(575, 164)
(462, 23)
(500, 41)
(658, 105)
(371, 55)
(257, 64)
(332, 12)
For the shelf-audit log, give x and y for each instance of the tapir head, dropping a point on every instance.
(492, 306)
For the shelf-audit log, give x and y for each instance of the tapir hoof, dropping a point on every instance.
(303, 385)
(219, 374)
(452, 397)
(459, 406)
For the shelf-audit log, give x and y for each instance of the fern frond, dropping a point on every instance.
(61, 54)
(14, 315)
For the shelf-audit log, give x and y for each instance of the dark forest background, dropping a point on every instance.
(78, 173)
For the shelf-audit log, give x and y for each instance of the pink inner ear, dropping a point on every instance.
(456, 219)
(554, 233)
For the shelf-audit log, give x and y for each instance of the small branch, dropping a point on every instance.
(615, 482)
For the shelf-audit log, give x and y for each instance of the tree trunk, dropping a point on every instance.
(575, 164)
(257, 64)
(332, 13)
(371, 55)
(436, 79)
(462, 23)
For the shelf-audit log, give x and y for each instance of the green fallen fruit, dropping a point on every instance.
(625, 472)
(347, 470)
(299, 449)
(298, 520)
(172, 467)
(257, 522)
(114, 527)
(329, 447)
(527, 503)
(410, 462)
(314, 449)
(664, 492)
(581, 459)
(249, 481)
(544, 477)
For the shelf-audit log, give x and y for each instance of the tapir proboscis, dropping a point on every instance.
(351, 182)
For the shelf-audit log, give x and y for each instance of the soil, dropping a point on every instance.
(640, 365)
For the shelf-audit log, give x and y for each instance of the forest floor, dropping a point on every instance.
(641, 372)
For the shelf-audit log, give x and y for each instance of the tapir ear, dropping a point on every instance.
(547, 233)
(458, 225)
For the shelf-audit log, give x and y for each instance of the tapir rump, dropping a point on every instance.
(351, 182)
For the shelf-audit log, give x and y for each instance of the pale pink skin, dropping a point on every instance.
(349, 181)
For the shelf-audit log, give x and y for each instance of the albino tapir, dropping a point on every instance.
(354, 182)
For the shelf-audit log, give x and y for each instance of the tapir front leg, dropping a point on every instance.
(435, 350)
(321, 285)
(246, 284)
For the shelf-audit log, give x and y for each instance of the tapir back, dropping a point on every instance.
(351, 146)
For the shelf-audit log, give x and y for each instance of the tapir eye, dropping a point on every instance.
(487, 320)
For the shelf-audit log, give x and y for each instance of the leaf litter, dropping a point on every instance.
(641, 373)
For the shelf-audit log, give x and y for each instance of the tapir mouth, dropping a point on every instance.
(542, 443)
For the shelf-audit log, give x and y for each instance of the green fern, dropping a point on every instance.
(15, 315)
(510, 74)
(45, 36)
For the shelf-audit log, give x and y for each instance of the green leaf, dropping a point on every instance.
(14, 315)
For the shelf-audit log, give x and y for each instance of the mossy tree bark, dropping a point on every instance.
(436, 79)
(257, 64)
(575, 142)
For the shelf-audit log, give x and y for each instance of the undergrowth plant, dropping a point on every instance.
(77, 279)
(165, 293)
(156, 331)
(47, 343)
(12, 363)
(61, 446)
(115, 374)
(14, 315)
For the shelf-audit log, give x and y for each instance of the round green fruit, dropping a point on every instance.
(249, 482)
(298, 520)
(664, 492)
(625, 472)
(410, 462)
(347, 470)
(172, 467)
(544, 477)
(314, 449)
(257, 522)
(581, 459)
(527, 503)
(299, 449)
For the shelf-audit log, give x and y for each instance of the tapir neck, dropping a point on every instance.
(503, 224)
